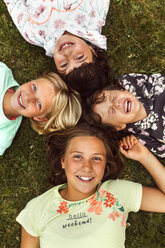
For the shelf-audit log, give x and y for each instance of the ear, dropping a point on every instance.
(40, 119)
(62, 163)
(93, 51)
(121, 127)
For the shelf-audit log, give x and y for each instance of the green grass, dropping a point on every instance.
(136, 37)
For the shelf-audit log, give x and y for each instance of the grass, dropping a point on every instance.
(136, 33)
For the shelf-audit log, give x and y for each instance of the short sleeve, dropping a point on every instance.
(29, 218)
(129, 193)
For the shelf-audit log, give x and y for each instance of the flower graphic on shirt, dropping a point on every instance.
(140, 82)
(110, 200)
(142, 142)
(19, 18)
(80, 18)
(93, 13)
(42, 33)
(99, 25)
(59, 23)
(161, 148)
(113, 215)
(63, 208)
(123, 220)
(96, 207)
(39, 10)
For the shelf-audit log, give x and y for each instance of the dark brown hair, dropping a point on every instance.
(98, 97)
(90, 77)
(59, 141)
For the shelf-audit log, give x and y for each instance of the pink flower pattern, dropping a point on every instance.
(59, 23)
(101, 199)
(80, 18)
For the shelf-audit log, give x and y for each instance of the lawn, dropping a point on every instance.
(136, 36)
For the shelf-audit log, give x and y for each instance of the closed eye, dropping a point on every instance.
(63, 65)
(80, 57)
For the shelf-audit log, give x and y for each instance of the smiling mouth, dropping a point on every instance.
(85, 179)
(65, 45)
(20, 101)
(127, 106)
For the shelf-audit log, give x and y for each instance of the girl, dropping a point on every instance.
(89, 210)
(46, 100)
(68, 30)
(136, 103)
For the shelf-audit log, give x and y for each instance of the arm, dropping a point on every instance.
(28, 241)
(153, 199)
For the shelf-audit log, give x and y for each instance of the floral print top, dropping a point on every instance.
(43, 22)
(99, 219)
(150, 90)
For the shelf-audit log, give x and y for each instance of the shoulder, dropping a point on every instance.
(129, 193)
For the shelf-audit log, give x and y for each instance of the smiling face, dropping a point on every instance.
(33, 99)
(71, 52)
(84, 164)
(119, 108)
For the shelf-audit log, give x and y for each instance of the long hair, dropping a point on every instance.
(59, 141)
(66, 109)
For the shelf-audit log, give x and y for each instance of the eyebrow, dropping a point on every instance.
(96, 153)
(64, 70)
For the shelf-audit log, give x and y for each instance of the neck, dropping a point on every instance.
(7, 107)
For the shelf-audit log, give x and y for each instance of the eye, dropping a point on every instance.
(63, 65)
(80, 57)
(78, 157)
(97, 159)
(34, 87)
(39, 105)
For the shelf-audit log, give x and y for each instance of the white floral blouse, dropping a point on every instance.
(150, 90)
(43, 22)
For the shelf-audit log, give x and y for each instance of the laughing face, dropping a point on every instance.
(119, 108)
(71, 52)
(33, 99)
(84, 164)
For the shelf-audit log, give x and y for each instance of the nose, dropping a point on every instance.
(116, 104)
(87, 166)
(30, 98)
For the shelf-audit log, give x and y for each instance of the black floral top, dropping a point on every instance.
(150, 90)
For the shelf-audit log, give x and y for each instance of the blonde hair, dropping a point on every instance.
(66, 109)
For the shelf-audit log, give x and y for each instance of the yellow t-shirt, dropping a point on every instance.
(98, 221)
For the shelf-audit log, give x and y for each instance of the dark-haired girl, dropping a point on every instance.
(88, 210)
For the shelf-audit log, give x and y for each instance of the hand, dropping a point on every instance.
(131, 148)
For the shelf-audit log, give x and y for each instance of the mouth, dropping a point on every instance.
(20, 101)
(65, 45)
(85, 179)
(127, 106)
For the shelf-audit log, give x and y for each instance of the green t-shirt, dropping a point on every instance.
(8, 128)
(98, 221)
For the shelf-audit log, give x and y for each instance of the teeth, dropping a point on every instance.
(127, 106)
(85, 178)
(66, 45)
(20, 99)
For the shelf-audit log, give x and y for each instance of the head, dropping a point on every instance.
(83, 154)
(113, 106)
(71, 52)
(88, 75)
(65, 107)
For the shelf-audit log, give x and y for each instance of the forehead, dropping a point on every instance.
(82, 143)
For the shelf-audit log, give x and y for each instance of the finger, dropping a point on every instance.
(134, 140)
